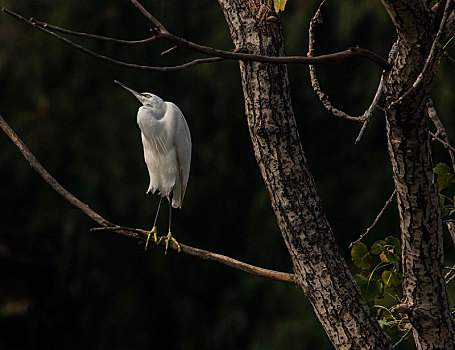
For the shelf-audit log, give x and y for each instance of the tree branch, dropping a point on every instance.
(365, 118)
(446, 54)
(375, 220)
(440, 130)
(369, 112)
(430, 58)
(82, 34)
(160, 31)
(35, 24)
(130, 232)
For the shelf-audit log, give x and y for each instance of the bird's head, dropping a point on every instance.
(146, 98)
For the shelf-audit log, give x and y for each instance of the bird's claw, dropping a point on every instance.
(149, 233)
(167, 239)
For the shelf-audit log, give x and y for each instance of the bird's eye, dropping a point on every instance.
(147, 95)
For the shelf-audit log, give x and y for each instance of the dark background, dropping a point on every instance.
(64, 287)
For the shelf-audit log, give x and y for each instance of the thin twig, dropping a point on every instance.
(88, 35)
(317, 18)
(450, 279)
(446, 54)
(440, 130)
(402, 338)
(108, 59)
(375, 104)
(430, 58)
(152, 19)
(369, 112)
(375, 220)
(48, 178)
(130, 232)
(169, 50)
(216, 54)
(323, 97)
(444, 143)
(353, 51)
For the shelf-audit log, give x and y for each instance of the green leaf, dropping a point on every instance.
(369, 289)
(388, 256)
(395, 243)
(442, 199)
(279, 5)
(392, 277)
(441, 169)
(360, 256)
(378, 247)
(445, 180)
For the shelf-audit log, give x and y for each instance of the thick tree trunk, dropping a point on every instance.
(320, 270)
(409, 148)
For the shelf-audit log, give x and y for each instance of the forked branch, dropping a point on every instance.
(130, 232)
(366, 116)
(159, 31)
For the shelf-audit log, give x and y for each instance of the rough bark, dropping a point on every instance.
(319, 268)
(425, 293)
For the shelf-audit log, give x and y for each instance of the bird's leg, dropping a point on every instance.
(169, 235)
(153, 230)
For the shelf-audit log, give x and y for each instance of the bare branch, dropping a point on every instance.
(365, 118)
(48, 178)
(402, 338)
(431, 56)
(108, 59)
(152, 19)
(375, 104)
(206, 255)
(375, 220)
(446, 54)
(353, 51)
(317, 18)
(169, 50)
(130, 232)
(440, 130)
(86, 35)
(369, 112)
(216, 54)
(451, 228)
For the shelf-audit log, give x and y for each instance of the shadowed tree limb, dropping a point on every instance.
(431, 58)
(42, 27)
(366, 116)
(131, 232)
(392, 196)
(217, 55)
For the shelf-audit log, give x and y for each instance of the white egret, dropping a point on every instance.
(167, 152)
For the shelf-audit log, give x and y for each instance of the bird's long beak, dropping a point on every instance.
(138, 95)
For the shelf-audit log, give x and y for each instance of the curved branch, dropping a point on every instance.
(392, 196)
(207, 255)
(353, 51)
(35, 24)
(432, 56)
(130, 232)
(440, 130)
(82, 34)
(217, 55)
(365, 118)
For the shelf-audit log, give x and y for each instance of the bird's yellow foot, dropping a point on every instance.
(167, 239)
(149, 233)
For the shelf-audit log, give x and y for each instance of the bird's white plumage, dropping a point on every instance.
(167, 145)
(167, 149)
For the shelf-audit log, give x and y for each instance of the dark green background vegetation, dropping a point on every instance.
(62, 286)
